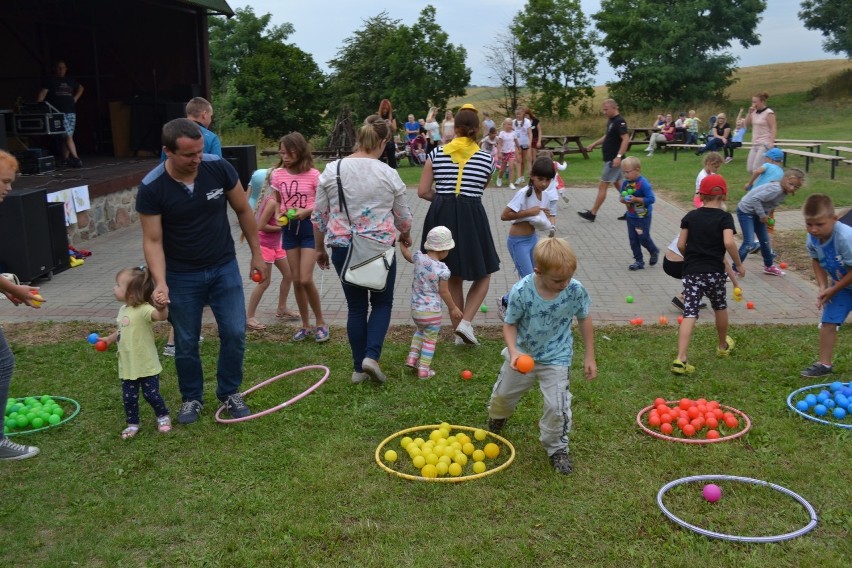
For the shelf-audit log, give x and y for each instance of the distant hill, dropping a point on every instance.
(775, 79)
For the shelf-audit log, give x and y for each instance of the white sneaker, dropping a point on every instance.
(465, 331)
(512, 186)
(520, 180)
(499, 181)
(9, 450)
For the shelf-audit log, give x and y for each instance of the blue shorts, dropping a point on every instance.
(70, 123)
(837, 309)
(298, 234)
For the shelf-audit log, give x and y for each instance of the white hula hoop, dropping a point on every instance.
(774, 538)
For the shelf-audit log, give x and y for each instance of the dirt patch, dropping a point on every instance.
(790, 246)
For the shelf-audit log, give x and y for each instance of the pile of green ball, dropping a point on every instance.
(31, 413)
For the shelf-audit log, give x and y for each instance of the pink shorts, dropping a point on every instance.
(271, 254)
(508, 157)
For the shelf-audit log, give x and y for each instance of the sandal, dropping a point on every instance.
(130, 431)
(287, 315)
(254, 325)
(164, 424)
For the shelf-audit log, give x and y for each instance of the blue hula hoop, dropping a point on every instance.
(814, 418)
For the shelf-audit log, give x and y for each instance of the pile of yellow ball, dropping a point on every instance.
(445, 453)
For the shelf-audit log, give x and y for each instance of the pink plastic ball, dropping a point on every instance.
(712, 492)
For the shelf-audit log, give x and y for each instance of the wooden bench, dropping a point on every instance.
(562, 144)
(838, 149)
(812, 156)
(677, 147)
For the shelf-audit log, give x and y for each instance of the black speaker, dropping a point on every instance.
(25, 234)
(244, 160)
(58, 236)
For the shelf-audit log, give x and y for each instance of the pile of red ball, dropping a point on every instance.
(691, 418)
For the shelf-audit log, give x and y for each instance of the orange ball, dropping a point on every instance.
(783, 265)
(682, 422)
(712, 435)
(692, 412)
(666, 428)
(679, 319)
(689, 430)
(712, 423)
(731, 421)
(749, 305)
(664, 320)
(666, 418)
(466, 375)
(659, 400)
(685, 403)
(654, 420)
(524, 364)
(256, 276)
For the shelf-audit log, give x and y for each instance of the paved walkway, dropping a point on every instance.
(85, 292)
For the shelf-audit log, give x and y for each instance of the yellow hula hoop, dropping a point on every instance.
(458, 479)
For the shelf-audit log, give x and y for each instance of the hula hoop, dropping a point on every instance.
(459, 479)
(808, 416)
(662, 436)
(296, 398)
(60, 423)
(736, 538)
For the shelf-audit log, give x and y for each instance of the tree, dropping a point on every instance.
(414, 67)
(504, 61)
(557, 52)
(834, 19)
(666, 52)
(280, 89)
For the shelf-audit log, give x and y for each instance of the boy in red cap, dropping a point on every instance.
(706, 234)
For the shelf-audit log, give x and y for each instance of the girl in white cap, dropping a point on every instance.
(429, 287)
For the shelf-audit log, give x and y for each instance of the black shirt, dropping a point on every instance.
(705, 243)
(615, 127)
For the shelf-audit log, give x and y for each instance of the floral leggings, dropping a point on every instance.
(150, 390)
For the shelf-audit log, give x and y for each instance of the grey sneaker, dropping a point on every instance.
(496, 424)
(816, 370)
(371, 367)
(9, 450)
(169, 350)
(189, 412)
(235, 406)
(358, 378)
(561, 462)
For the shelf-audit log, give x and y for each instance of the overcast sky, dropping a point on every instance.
(322, 25)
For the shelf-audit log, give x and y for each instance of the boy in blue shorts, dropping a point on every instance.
(542, 307)
(830, 246)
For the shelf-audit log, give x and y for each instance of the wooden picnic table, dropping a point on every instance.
(646, 131)
(561, 144)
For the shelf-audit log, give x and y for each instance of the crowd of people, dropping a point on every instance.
(298, 217)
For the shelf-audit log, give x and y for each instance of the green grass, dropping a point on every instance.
(300, 487)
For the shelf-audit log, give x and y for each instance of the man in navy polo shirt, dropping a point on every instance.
(183, 207)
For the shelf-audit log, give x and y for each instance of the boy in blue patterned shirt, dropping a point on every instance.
(542, 307)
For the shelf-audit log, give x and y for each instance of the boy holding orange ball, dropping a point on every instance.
(542, 307)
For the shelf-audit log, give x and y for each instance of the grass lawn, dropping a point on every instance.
(300, 487)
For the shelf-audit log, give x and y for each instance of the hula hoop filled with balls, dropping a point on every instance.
(271, 380)
(32, 414)
(829, 404)
(713, 494)
(692, 421)
(444, 453)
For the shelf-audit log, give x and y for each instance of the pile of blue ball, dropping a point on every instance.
(836, 401)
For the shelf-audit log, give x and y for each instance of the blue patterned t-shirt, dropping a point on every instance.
(544, 326)
(835, 254)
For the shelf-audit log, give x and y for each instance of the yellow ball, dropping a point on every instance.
(431, 459)
(430, 471)
(390, 456)
(445, 426)
(492, 450)
(404, 442)
(442, 468)
(413, 451)
(468, 448)
(478, 456)
(445, 459)
(479, 467)
(460, 458)
(435, 435)
(419, 462)
(480, 434)
(419, 442)
(455, 469)
(445, 432)
(452, 439)
(462, 438)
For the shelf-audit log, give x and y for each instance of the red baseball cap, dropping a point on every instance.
(714, 184)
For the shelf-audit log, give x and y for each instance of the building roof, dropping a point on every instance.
(216, 6)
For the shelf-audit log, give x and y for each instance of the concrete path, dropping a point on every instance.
(85, 292)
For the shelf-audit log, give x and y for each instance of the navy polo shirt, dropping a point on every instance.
(196, 231)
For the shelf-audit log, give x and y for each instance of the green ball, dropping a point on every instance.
(629, 299)
(29, 401)
(58, 412)
(17, 407)
(22, 421)
(624, 193)
(13, 416)
(631, 191)
(6, 429)
(483, 308)
(770, 221)
(54, 419)
(37, 422)
(46, 398)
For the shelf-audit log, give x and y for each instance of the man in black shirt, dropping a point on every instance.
(63, 93)
(614, 143)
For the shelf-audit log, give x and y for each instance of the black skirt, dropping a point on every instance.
(474, 256)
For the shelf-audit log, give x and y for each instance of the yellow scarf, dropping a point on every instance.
(460, 151)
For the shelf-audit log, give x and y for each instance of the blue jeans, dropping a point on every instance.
(7, 366)
(220, 287)
(750, 225)
(366, 332)
(521, 251)
(637, 241)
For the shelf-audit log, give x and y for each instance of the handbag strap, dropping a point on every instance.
(341, 198)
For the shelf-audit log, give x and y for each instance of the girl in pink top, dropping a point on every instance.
(764, 129)
(296, 179)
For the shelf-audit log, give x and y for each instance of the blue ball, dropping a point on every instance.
(830, 403)
(847, 391)
(836, 386)
(823, 396)
(820, 410)
(839, 413)
(841, 400)
(811, 400)
(802, 406)
(93, 338)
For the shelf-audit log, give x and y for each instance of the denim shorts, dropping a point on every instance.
(298, 234)
(610, 173)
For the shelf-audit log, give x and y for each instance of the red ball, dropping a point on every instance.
(466, 375)
(750, 305)
(679, 319)
(101, 345)
(783, 265)
(256, 276)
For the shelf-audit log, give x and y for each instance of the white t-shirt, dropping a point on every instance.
(508, 139)
(701, 175)
(522, 131)
(520, 201)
